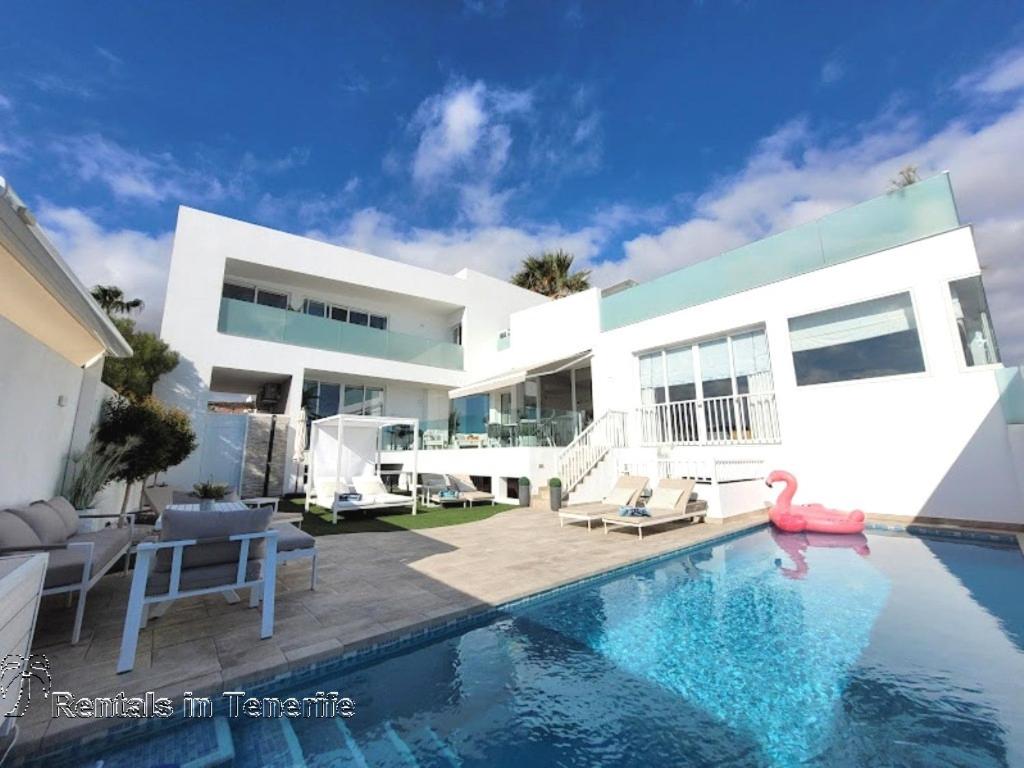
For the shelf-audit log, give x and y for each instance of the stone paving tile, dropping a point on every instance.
(371, 587)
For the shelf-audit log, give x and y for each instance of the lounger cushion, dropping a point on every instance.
(664, 498)
(15, 532)
(369, 485)
(462, 483)
(44, 520)
(201, 578)
(619, 496)
(194, 524)
(67, 513)
(65, 565)
(589, 511)
(290, 538)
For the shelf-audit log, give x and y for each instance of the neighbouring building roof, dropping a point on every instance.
(40, 294)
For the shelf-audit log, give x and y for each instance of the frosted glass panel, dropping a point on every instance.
(714, 368)
(921, 210)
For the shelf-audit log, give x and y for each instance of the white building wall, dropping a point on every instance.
(929, 444)
(37, 428)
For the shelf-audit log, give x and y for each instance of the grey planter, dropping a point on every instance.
(555, 492)
(524, 494)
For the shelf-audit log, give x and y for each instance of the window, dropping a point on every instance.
(272, 299)
(358, 318)
(312, 307)
(340, 314)
(457, 334)
(860, 341)
(652, 378)
(974, 323)
(378, 322)
(363, 401)
(239, 292)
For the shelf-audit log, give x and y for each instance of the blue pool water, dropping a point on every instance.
(764, 650)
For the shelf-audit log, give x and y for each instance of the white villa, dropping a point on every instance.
(856, 351)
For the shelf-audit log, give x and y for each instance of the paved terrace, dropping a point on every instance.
(371, 587)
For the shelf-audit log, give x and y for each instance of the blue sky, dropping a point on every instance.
(640, 136)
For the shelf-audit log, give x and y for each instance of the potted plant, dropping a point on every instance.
(209, 493)
(92, 470)
(524, 491)
(555, 492)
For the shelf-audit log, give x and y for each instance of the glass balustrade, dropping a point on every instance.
(255, 321)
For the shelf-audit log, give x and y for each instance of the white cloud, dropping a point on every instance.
(134, 261)
(1003, 75)
(833, 70)
(133, 175)
(5, 103)
(460, 130)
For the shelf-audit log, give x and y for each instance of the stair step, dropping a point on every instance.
(269, 743)
(203, 743)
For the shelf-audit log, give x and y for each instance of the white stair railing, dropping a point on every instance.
(591, 445)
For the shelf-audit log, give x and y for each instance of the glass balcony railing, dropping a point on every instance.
(920, 210)
(255, 321)
(554, 429)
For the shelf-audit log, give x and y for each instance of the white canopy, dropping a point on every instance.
(519, 375)
(346, 446)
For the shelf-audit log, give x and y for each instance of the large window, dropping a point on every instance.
(859, 341)
(363, 401)
(974, 323)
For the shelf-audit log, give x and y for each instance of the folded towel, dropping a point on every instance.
(350, 497)
(633, 512)
(448, 493)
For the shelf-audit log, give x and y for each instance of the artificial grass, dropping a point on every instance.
(317, 522)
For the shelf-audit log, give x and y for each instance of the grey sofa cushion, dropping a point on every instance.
(65, 566)
(67, 513)
(182, 524)
(44, 520)
(15, 532)
(201, 578)
(290, 538)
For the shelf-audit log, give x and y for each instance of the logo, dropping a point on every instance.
(20, 677)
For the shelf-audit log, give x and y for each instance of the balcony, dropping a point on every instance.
(918, 211)
(553, 429)
(255, 321)
(748, 419)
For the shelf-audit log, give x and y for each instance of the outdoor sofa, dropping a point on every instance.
(77, 560)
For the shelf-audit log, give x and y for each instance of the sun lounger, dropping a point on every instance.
(468, 493)
(624, 493)
(373, 495)
(670, 502)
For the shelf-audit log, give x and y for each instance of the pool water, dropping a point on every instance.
(764, 650)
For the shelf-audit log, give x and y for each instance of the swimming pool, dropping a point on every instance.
(762, 650)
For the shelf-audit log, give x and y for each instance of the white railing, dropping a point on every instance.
(591, 445)
(710, 470)
(731, 420)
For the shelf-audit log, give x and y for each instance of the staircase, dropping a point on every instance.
(591, 446)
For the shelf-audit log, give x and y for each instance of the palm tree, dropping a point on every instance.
(906, 176)
(548, 274)
(112, 300)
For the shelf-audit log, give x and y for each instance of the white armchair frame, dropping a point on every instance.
(139, 601)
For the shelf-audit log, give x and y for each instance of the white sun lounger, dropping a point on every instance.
(669, 503)
(624, 493)
(374, 496)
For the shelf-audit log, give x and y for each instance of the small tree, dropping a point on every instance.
(135, 376)
(159, 437)
(906, 176)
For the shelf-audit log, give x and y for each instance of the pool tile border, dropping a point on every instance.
(941, 532)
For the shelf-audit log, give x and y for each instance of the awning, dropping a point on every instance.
(511, 378)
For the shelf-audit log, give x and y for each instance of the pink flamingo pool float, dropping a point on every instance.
(809, 517)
